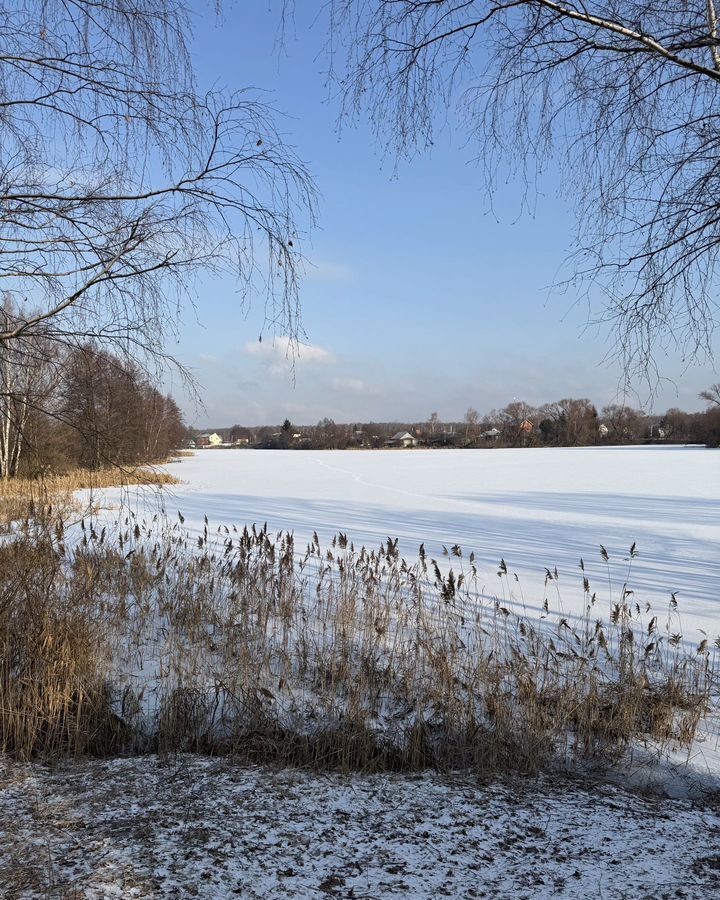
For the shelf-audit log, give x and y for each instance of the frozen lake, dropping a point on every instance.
(536, 508)
(539, 509)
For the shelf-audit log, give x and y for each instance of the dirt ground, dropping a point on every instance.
(190, 826)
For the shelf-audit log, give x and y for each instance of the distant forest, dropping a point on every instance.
(84, 408)
(566, 423)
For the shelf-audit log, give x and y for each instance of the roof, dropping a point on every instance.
(402, 436)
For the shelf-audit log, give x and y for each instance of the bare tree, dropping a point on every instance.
(712, 395)
(163, 426)
(472, 417)
(27, 378)
(120, 181)
(16, 380)
(623, 422)
(623, 93)
(570, 422)
(117, 418)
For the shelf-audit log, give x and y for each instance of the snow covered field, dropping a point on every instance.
(535, 508)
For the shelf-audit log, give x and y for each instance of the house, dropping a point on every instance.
(402, 439)
(209, 440)
(491, 435)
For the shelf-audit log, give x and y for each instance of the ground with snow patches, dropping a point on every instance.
(189, 826)
(197, 827)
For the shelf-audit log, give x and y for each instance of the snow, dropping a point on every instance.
(536, 508)
(188, 826)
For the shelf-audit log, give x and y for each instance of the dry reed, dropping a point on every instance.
(334, 658)
(23, 498)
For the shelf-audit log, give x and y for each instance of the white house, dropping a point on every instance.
(402, 439)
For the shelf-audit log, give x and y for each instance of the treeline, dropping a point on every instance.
(81, 408)
(570, 422)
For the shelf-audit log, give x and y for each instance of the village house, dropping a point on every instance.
(402, 439)
(209, 440)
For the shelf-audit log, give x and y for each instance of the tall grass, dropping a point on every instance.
(54, 495)
(339, 657)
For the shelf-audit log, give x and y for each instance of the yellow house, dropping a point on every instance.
(209, 440)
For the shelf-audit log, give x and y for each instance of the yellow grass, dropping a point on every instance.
(23, 497)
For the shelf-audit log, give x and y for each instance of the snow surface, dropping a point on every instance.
(197, 827)
(535, 508)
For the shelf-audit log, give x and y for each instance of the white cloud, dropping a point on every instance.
(348, 385)
(281, 353)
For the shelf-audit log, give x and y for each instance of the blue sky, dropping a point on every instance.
(416, 298)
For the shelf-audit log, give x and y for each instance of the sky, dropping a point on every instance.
(416, 298)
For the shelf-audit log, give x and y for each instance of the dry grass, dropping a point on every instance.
(333, 658)
(22, 498)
